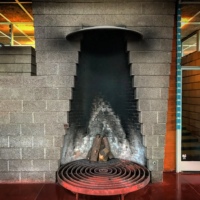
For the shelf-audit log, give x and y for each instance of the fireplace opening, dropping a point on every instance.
(103, 100)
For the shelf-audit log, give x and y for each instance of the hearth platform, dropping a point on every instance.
(114, 177)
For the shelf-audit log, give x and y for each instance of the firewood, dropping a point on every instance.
(95, 148)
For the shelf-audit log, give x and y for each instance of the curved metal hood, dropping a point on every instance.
(130, 34)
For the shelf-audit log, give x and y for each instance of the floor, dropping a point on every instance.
(183, 186)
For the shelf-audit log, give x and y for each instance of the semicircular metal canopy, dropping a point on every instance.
(128, 32)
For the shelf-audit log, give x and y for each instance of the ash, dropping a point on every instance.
(105, 122)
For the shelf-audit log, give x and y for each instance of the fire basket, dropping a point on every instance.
(114, 177)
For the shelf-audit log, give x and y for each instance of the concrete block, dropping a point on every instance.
(39, 20)
(54, 165)
(159, 129)
(163, 20)
(150, 69)
(164, 93)
(16, 94)
(10, 106)
(20, 141)
(10, 153)
(7, 58)
(47, 117)
(150, 141)
(145, 45)
(3, 165)
(162, 117)
(93, 8)
(47, 69)
(149, 152)
(52, 8)
(166, 45)
(34, 106)
(11, 81)
(72, 20)
(4, 117)
(151, 81)
(148, 117)
(43, 141)
(24, 59)
(144, 105)
(58, 105)
(26, 94)
(129, 8)
(46, 93)
(21, 118)
(39, 32)
(62, 56)
(54, 129)
(4, 141)
(61, 81)
(148, 93)
(50, 177)
(155, 33)
(32, 129)
(41, 56)
(32, 153)
(41, 165)
(32, 177)
(64, 93)
(159, 105)
(63, 117)
(16, 68)
(52, 153)
(67, 69)
(58, 141)
(149, 8)
(139, 20)
(38, 8)
(150, 57)
(35, 81)
(9, 129)
(53, 32)
(9, 177)
(147, 129)
(158, 152)
(161, 141)
(152, 164)
(20, 165)
(156, 176)
(160, 164)
(17, 50)
(57, 45)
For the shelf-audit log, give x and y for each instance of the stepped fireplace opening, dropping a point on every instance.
(103, 99)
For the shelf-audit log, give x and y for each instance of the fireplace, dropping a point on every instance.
(103, 99)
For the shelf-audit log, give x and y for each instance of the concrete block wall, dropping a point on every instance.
(17, 60)
(34, 109)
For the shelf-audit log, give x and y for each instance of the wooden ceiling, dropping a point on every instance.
(19, 13)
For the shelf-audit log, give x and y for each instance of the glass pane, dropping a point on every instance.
(189, 45)
(190, 115)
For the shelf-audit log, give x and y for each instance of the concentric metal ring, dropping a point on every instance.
(103, 178)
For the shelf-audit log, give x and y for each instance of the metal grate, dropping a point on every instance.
(115, 177)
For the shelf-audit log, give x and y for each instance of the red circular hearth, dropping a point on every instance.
(114, 177)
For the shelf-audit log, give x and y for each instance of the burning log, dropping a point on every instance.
(100, 150)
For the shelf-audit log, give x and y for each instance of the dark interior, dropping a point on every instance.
(103, 71)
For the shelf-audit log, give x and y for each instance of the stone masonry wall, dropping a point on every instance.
(32, 123)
